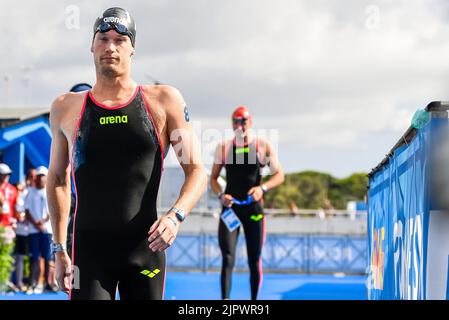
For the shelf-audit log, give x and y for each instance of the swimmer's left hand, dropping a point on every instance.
(163, 232)
(256, 192)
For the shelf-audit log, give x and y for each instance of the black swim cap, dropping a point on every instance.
(81, 87)
(118, 19)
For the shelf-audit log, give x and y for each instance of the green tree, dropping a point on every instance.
(309, 189)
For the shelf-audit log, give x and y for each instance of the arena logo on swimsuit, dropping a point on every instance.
(113, 120)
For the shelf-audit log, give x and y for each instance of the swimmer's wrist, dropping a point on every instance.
(61, 254)
(172, 220)
(58, 247)
(179, 214)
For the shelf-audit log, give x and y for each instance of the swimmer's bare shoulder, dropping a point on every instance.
(165, 103)
(65, 113)
(167, 97)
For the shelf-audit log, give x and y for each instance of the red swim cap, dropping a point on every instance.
(241, 112)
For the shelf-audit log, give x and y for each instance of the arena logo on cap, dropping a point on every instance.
(115, 20)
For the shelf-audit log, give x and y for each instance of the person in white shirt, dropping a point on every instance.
(21, 246)
(40, 231)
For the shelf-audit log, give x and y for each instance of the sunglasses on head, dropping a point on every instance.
(239, 120)
(120, 28)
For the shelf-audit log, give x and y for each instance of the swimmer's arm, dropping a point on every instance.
(216, 168)
(277, 174)
(58, 180)
(187, 149)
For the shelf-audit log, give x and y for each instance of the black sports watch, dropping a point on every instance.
(58, 247)
(264, 188)
(180, 214)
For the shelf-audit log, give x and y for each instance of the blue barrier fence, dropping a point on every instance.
(281, 253)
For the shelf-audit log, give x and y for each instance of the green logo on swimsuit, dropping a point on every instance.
(150, 274)
(241, 150)
(256, 217)
(113, 120)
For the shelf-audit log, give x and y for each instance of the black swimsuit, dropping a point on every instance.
(242, 173)
(117, 163)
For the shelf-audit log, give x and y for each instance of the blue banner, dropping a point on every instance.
(398, 217)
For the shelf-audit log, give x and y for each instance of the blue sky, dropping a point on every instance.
(339, 80)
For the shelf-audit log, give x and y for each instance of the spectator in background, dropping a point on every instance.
(40, 232)
(21, 245)
(329, 209)
(31, 183)
(293, 209)
(31, 178)
(8, 196)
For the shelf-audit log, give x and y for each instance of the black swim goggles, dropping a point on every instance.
(120, 28)
(241, 121)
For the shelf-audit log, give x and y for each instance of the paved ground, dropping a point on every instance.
(205, 286)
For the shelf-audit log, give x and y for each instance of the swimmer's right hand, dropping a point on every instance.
(63, 266)
(227, 200)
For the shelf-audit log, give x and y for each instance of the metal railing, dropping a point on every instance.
(281, 253)
(321, 213)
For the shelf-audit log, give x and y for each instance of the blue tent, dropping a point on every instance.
(25, 139)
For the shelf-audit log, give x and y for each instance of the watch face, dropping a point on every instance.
(57, 247)
(180, 215)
